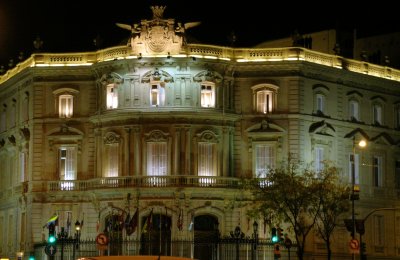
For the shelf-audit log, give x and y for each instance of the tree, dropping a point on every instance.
(292, 194)
(334, 201)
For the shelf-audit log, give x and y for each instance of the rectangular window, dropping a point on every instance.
(25, 108)
(65, 106)
(13, 114)
(157, 158)
(397, 174)
(264, 101)
(22, 166)
(377, 114)
(207, 159)
(207, 96)
(379, 228)
(356, 168)
(3, 119)
(157, 95)
(320, 103)
(67, 163)
(113, 160)
(397, 117)
(112, 97)
(319, 159)
(264, 159)
(353, 110)
(377, 171)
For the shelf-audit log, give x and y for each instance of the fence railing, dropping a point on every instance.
(224, 249)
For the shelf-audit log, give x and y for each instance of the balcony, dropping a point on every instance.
(136, 182)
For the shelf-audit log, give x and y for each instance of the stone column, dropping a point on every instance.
(136, 151)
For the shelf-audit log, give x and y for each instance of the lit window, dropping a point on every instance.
(353, 110)
(356, 168)
(67, 166)
(319, 159)
(320, 103)
(207, 165)
(264, 156)
(22, 166)
(157, 95)
(264, 101)
(65, 106)
(207, 95)
(377, 171)
(264, 98)
(157, 158)
(377, 114)
(113, 160)
(112, 96)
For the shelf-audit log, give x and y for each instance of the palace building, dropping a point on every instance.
(168, 129)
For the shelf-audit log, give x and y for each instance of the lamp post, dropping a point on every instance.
(77, 238)
(62, 236)
(255, 233)
(361, 144)
(237, 235)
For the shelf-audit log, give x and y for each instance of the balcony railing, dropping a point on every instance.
(209, 52)
(138, 181)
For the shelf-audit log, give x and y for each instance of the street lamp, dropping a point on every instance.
(77, 237)
(361, 144)
(237, 235)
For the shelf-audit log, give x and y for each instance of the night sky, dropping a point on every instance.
(68, 26)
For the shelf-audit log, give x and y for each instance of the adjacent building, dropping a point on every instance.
(168, 129)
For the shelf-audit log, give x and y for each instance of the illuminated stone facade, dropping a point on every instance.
(172, 129)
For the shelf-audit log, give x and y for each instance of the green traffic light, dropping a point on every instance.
(31, 257)
(275, 239)
(52, 239)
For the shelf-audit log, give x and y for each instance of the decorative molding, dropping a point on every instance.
(112, 138)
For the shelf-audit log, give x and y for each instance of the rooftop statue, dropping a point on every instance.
(158, 35)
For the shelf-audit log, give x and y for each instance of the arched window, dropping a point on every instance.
(265, 96)
(207, 154)
(65, 106)
(157, 153)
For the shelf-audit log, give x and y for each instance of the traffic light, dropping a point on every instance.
(280, 234)
(52, 236)
(274, 237)
(363, 248)
(31, 257)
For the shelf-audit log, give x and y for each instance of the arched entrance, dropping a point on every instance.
(206, 235)
(113, 224)
(155, 236)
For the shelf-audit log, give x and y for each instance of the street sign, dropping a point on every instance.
(354, 246)
(288, 243)
(50, 250)
(102, 239)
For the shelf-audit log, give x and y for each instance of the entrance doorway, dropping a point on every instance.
(155, 238)
(206, 235)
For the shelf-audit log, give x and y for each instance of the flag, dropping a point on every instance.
(191, 224)
(98, 224)
(131, 227)
(149, 223)
(68, 223)
(127, 220)
(180, 220)
(82, 220)
(52, 220)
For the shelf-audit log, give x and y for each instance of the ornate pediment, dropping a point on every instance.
(322, 128)
(158, 35)
(208, 75)
(265, 128)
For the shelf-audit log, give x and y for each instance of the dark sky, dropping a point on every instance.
(71, 25)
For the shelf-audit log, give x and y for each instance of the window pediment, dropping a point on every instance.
(112, 138)
(207, 136)
(378, 99)
(265, 128)
(357, 134)
(66, 90)
(322, 128)
(156, 136)
(207, 75)
(111, 78)
(157, 75)
(383, 138)
(354, 94)
(65, 135)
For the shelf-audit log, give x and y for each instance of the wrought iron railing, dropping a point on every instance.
(222, 249)
(137, 181)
